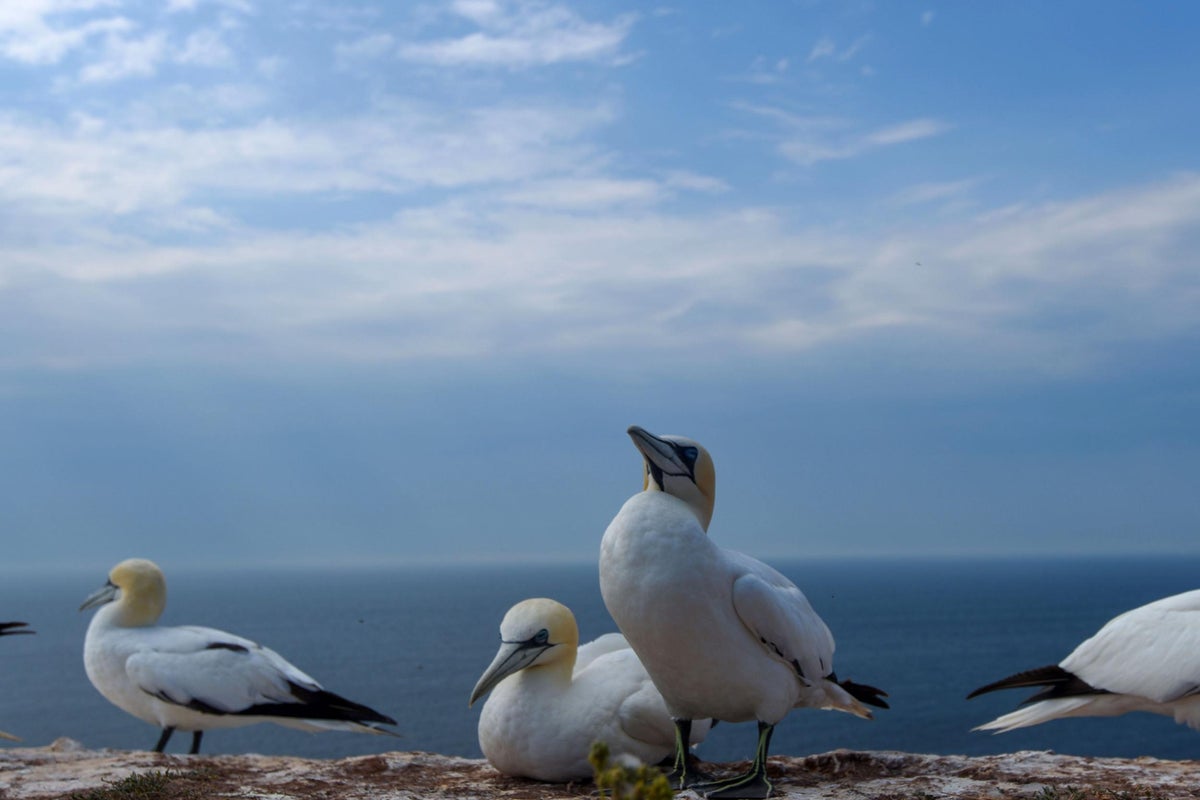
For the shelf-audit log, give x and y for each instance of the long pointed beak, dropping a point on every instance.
(105, 594)
(512, 657)
(658, 452)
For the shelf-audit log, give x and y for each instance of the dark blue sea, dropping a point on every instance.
(411, 642)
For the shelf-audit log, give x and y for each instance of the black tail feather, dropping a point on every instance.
(1055, 680)
(864, 693)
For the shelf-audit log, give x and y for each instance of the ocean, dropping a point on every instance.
(411, 642)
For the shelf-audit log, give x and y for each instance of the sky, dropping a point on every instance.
(317, 282)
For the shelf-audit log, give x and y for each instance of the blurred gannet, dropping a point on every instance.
(192, 678)
(549, 704)
(10, 629)
(722, 635)
(1147, 659)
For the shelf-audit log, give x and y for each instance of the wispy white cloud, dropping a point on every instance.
(768, 71)
(481, 12)
(269, 66)
(365, 48)
(101, 166)
(522, 34)
(694, 182)
(600, 193)
(908, 131)
(584, 193)
(934, 192)
(854, 48)
(826, 48)
(45, 31)
(187, 104)
(808, 141)
(110, 46)
(1068, 276)
(126, 56)
(823, 48)
(206, 48)
(507, 226)
(520, 272)
(239, 6)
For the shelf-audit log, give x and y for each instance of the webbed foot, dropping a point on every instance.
(752, 785)
(687, 777)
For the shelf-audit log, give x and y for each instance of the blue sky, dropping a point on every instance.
(364, 282)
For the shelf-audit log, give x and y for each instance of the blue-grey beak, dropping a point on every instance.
(105, 594)
(512, 657)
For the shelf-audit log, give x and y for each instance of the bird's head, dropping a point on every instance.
(679, 466)
(534, 633)
(139, 589)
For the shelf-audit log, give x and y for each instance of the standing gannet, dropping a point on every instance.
(1147, 659)
(722, 635)
(10, 629)
(192, 678)
(550, 701)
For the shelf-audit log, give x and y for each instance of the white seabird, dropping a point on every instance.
(550, 701)
(11, 629)
(191, 678)
(722, 635)
(1147, 659)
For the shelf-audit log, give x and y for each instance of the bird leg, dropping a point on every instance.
(752, 785)
(196, 736)
(166, 737)
(684, 772)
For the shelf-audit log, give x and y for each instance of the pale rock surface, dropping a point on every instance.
(66, 767)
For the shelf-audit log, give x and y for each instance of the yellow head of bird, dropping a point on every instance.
(139, 590)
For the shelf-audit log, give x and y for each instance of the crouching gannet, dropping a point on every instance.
(722, 635)
(1147, 659)
(193, 679)
(10, 629)
(550, 701)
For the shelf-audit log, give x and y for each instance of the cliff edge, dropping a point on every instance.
(66, 770)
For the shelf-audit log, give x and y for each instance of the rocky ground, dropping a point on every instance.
(66, 770)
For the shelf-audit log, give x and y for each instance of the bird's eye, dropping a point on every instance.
(690, 454)
(542, 636)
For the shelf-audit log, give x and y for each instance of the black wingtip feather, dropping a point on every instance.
(10, 628)
(309, 704)
(318, 704)
(1041, 676)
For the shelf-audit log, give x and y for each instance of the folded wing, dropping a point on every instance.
(213, 672)
(1152, 651)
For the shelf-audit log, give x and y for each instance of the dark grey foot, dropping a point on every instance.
(752, 785)
(688, 779)
(683, 770)
(688, 776)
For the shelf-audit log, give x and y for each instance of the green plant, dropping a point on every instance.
(154, 785)
(622, 782)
